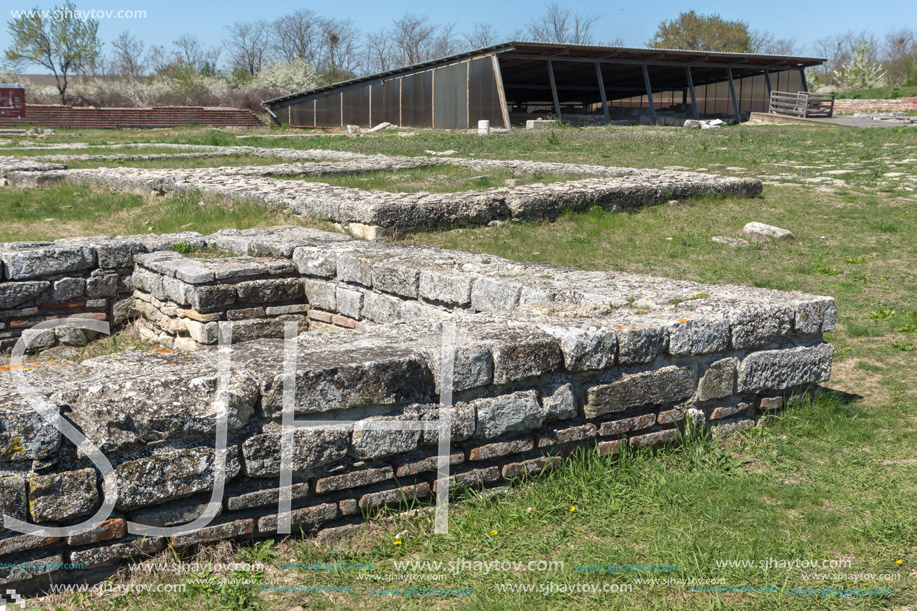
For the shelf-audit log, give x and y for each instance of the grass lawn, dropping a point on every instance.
(64, 210)
(832, 480)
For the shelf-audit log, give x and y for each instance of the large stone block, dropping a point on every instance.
(25, 435)
(694, 336)
(312, 448)
(370, 443)
(349, 302)
(462, 420)
(585, 347)
(513, 413)
(166, 477)
(366, 374)
(37, 262)
(315, 261)
(785, 369)
(640, 344)
(396, 277)
(13, 499)
(718, 380)
(816, 315)
(204, 298)
(560, 404)
(660, 387)
(518, 355)
(446, 287)
(13, 294)
(321, 294)
(760, 327)
(269, 291)
(102, 285)
(494, 295)
(66, 289)
(381, 308)
(357, 267)
(128, 413)
(63, 496)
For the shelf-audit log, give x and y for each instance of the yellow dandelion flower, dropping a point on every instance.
(494, 533)
(398, 542)
(899, 561)
(573, 508)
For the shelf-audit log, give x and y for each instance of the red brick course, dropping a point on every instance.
(54, 115)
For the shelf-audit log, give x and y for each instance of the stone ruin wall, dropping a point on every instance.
(547, 359)
(377, 214)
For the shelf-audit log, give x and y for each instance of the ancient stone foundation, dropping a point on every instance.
(375, 214)
(544, 359)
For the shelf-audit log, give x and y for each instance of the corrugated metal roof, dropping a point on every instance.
(509, 47)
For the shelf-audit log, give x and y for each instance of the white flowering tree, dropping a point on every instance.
(286, 77)
(862, 71)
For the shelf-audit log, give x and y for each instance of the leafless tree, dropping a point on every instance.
(338, 51)
(562, 24)
(247, 45)
(157, 58)
(127, 55)
(378, 52)
(767, 43)
(445, 42)
(482, 35)
(297, 36)
(414, 38)
(838, 50)
(900, 56)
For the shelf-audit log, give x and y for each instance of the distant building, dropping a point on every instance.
(514, 81)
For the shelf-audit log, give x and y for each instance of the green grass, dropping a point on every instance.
(879, 93)
(782, 153)
(827, 479)
(437, 179)
(66, 210)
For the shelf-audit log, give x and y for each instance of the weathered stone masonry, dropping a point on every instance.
(546, 359)
(375, 214)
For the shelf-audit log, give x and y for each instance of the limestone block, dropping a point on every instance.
(63, 496)
(785, 369)
(659, 387)
(513, 413)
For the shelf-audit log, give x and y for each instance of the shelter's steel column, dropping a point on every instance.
(732, 94)
(649, 92)
(554, 90)
(802, 75)
(691, 90)
(501, 94)
(598, 75)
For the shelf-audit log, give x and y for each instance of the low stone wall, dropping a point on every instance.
(53, 115)
(545, 359)
(70, 278)
(375, 214)
(846, 107)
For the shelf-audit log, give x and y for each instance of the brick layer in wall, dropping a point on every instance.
(110, 118)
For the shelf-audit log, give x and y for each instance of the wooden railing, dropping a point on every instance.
(802, 104)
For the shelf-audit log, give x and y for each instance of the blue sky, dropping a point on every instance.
(634, 22)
